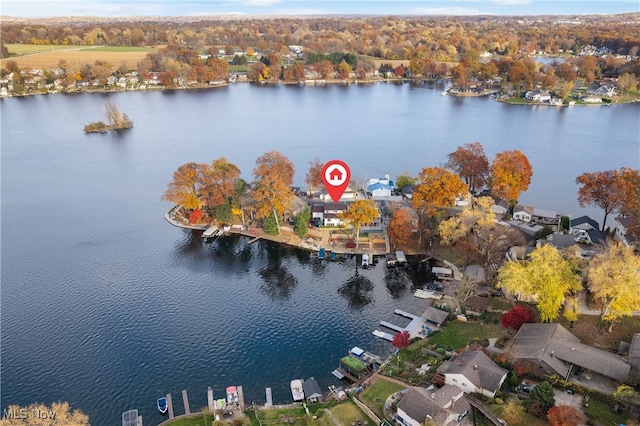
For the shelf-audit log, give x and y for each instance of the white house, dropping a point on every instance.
(472, 371)
(523, 213)
(586, 230)
(547, 217)
(628, 230)
(380, 187)
(538, 95)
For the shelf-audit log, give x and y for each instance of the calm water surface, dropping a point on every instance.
(107, 306)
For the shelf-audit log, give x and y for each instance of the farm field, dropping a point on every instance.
(39, 56)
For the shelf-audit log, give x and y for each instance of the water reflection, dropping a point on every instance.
(396, 280)
(357, 290)
(279, 283)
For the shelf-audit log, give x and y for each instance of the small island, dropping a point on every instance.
(116, 120)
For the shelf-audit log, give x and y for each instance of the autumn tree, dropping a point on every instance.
(614, 280)
(314, 175)
(565, 415)
(218, 182)
(516, 316)
(359, 213)
(471, 164)
(510, 176)
(437, 188)
(547, 276)
(606, 190)
(183, 189)
(401, 340)
(344, 70)
(400, 227)
(477, 214)
(565, 90)
(273, 176)
(60, 413)
(627, 82)
(630, 182)
(115, 118)
(405, 179)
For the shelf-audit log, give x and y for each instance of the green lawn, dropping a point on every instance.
(376, 395)
(458, 334)
(599, 412)
(346, 413)
(199, 420)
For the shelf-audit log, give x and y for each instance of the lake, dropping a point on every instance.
(107, 306)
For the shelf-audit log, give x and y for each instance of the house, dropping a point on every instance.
(500, 208)
(435, 316)
(591, 100)
(312, 391)
(446, 406)
(604, 90)
(476, 304)
(472, 371)
(554, 349)
(330, 215)
(538, 95)
(407, 191)
(349, 194)
(558, 240)
(380, 187)
(523, 213)
(545, 217)
(586, 230)
(628, 230)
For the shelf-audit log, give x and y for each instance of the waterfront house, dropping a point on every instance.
(628, 230)
(445, 406)
(500, 208)
(523, 213)
(538, 95)
(604, 90)
(312, 391)
(380, 187)
(544, 217)
(472, 371)
(554, 349)
(435, 316)
(586, 230)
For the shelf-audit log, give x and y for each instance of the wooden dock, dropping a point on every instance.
(210, 400)
(170, 405)
(240, 398)
(185, 401)
(253, 240)
(269, 398)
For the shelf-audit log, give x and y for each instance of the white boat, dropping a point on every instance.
(296, 390)
(162, 405)
(365, 260)
(427, 294)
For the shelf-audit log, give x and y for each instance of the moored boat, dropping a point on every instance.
(162, 405)
(296, 390)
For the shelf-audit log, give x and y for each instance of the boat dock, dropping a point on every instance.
(170, 405)
(269, 402)
(383, 335)
(413, 328)
(240, 398)
(185, 401)
(210, 400)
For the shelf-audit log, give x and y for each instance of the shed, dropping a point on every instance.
(435, 316)
(312, 391)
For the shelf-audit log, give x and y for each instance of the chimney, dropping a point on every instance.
(475, 367)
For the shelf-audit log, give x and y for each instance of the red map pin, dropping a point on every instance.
(336, 176)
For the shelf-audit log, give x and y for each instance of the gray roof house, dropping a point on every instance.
(584, 229)
(312, 391)
(473, 371)
(435, 316)
(555, 349)
(446, 406)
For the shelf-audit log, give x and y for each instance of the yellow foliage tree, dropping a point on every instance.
(359, 213)
(614, 280)
(477, 214)
(272, 186)
(183, 189)
(36, 414)
(546, 277)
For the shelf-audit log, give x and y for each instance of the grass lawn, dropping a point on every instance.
(346, 413)
(587, 330)
(376, 395)
(199, 420)
(458, 334)
(520, 101)
(599, 412)
(18, 49)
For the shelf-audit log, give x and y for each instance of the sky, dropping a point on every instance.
(121, 8)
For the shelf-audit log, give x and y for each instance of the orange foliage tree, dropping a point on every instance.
(219, 182)
(272, 192)
(400, 227)
(314, 175)
(565, 415)
(609, 190)
(437, 187)
(183, 189)
(470, 162)
(510, 176)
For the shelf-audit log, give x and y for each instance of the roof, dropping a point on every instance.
(478, 368)
(560, 241)
(353, 363)
(634, 348)
(631, 225)
(379, 185)
(477, 303)
(559, 349)
(419, 403)
(434, 315)
(584, 220)
(544, 213)
(311, 387)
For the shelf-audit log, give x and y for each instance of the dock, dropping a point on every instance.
(170, 405)
(185, 400)
(269, 402)
(210, 400)
(210, 232)
(253, 240)
(240, 398)
(383, 335)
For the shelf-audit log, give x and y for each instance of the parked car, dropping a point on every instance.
(435, 286)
